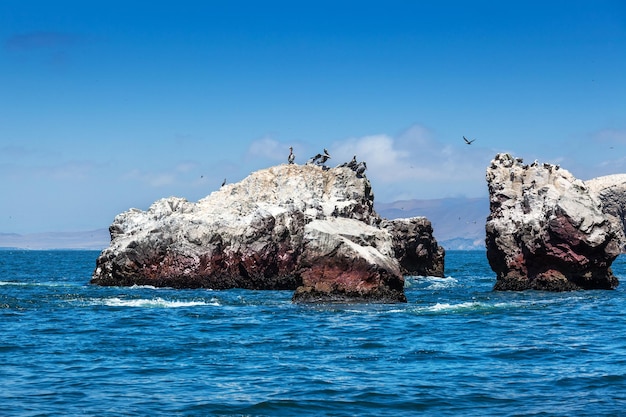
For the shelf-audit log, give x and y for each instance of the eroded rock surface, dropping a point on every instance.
(414, 247)
(546, 229)
(300, 227)
(611, 190)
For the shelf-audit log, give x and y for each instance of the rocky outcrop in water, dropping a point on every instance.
(414, 247)
(546, 229)
(301, 227)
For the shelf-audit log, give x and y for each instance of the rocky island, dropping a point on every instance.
(547, 230)
(305, 228)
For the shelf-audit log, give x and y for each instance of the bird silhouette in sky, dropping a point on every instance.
(469, 142)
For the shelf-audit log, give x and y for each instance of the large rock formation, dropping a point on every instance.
(546, 229)
(293, 227)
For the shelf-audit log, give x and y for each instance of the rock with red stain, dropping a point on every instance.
(285, 227)
(344, 260)
(546, 229)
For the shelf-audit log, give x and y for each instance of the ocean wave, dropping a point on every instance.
(430, 282)
(157, 302)
(36, 284)
(145, 287)
(456, 307)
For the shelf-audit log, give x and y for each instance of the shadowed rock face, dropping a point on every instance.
(285, 227)
(546, 229)
(414, 247)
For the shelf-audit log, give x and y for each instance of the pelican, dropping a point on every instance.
(291, 156)
(223, 183)
(314, 159)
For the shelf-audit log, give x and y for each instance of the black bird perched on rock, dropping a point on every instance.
(223, 183)
(360, 170)
(469, 142)
(319, 159)
(353, 164)
(291, 156)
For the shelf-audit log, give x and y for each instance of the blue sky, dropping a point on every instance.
(106, 105)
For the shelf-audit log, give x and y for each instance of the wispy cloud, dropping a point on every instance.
(42, 40)
(50, 47)
(610, 136)
(152, 179)
(269, 149)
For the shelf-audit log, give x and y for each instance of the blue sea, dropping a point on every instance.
(455, 349)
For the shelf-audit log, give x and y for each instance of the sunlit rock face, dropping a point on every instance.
(303, 227)
(546, 229)
(611, 190)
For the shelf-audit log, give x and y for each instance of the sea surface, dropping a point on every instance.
(455, 349)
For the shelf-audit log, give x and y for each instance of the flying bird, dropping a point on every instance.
(469, 142)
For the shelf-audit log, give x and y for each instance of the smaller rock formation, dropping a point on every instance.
(344, 261)
(546, 229)
(414, 247)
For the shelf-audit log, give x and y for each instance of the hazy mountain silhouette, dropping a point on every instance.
(458, 223)
(93, 239)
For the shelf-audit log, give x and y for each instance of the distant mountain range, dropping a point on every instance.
(93, 239)
(458, 224)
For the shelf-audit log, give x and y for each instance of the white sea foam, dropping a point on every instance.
(36, 284)
(12, 283)
(139, 287)
(453, 307)
(440, 283)
(155, 303)
(432, 283)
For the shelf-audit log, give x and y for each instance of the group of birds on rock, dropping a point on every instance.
(321, 158)
(358, 167)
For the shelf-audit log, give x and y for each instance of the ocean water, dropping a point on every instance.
(456, 348)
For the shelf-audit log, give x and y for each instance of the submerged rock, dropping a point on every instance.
(290, 226)
(546, 229)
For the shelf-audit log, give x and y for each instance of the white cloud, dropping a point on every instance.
(152, 179)
(414, 165)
